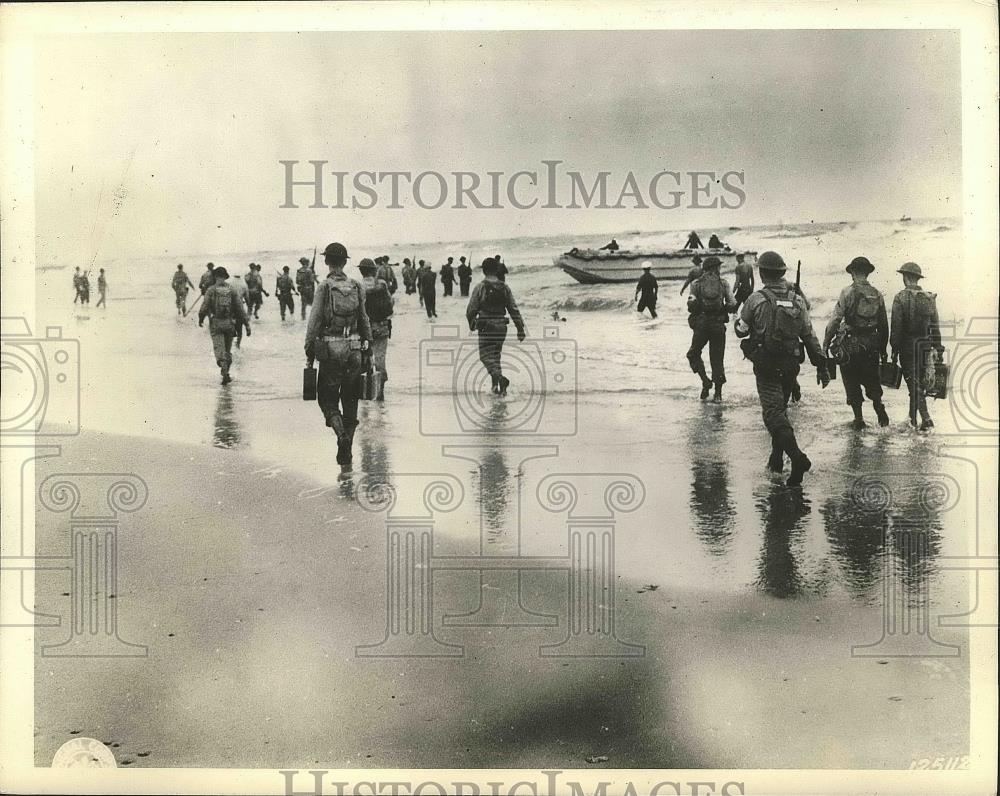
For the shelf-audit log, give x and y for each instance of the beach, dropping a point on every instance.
(257, 574)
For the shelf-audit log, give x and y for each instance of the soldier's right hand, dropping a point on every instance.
(822, 375)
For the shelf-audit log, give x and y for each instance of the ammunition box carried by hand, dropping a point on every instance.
(890, 375)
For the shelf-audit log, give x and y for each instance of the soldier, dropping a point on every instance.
(448, 276)
(487, 311)
(77, 281)
(102, 289)
(225, 312)
(255, 288)
(915, 334)
(378, 306)
(409, 276)
(339, 336)
(693, 241)
(207, 278)
(386, 274)
(427, 281)
(284, 288)
(693, 274)
(709, 305)
(861, 328)
(180, 283)
(464, 276)
(85, 288)
(501, 268)
(649, 288)
(305, 281)
(743, 284)
(774, 320)
(243, 294)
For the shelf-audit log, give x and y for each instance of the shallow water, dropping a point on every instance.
(605, 390)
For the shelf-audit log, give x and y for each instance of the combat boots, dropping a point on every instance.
(883, 417)
(717, 398)
(226, 378)
(776, 461)
(706, 386)
(345, 445)
(800, 462)
(859, 421)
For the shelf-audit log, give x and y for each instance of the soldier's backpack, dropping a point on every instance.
(863, 313)
(342, 302)
(922, 310)
(378, 302)
(179, 280)
(222, 306)
(494, 300)
(784, 325)
(713, 299)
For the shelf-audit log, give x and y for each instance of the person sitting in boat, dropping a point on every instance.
(611, 247)
(693, 241)
(714, 242)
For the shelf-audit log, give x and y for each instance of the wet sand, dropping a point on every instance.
(253, 583)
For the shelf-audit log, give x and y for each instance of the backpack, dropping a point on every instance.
(222, 303)
(713, 300)
(863, 314)
(494, 299)
(784, 325)
(342, 304)
(179, 281)
(378, 303)
(922, 308)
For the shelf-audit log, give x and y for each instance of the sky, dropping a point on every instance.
(161, 143)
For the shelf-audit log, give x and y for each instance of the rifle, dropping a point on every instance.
(313, 266)
(798, 278)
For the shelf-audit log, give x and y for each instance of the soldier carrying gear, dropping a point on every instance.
(774, 320)
(207, 278)
(915, 339)
(709, 305)
(857, 335)
(448, 276)
(339, 336)
(427, 283)
(305, 281)
(409, 276)
(378, 305)
(743, 284)
(224, 309)
(180, 284)
(464, 272)
(284, 288)
(255, 288)
(489, 305)
(384, 272)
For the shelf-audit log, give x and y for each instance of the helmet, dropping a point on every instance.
(771, 261)
(912, 269)
(860, 264)
(712, 262)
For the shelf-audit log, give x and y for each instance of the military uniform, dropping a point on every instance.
(206, 281)
(490, 303)
(225, 313)
(774, 320)
(336, 334)
(710, 303)
(283, 288)
(255, 289)
(743, 282)
(305, 281)
(378, 305)
(180, 284)
(860, 319)
(447, 278)
(915, 333)
(102, 289)
(464, 278)
(427, 280)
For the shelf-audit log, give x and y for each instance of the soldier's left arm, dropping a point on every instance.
(207, 306)
(364, 325)
(834, 324)
(515, 313)
(882, 328)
